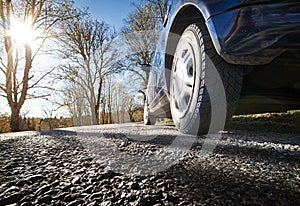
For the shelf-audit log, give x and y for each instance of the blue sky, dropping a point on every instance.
(111, 11)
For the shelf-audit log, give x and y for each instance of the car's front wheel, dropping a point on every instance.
(202, 84)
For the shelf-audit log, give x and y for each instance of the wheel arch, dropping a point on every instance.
(186, 15)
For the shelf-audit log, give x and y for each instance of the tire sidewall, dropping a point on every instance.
(190, 122)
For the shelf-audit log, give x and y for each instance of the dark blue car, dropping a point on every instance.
(218, 58)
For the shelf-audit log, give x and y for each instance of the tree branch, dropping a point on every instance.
(41, 78)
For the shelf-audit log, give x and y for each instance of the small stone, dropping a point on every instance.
(26, 204)
(76, 180)
(120, 202)
(134, 186)
(80, 171)
(22, 182)
(172, 199)
(89, 189)
(42, 190)
(10, 165)
(162, 185)
(96, 195)
(131, 197)
(45, 199)
(55, 183)
(34, 178)
(92, 203)
(123, 195)
(106, 203)
(92, 180)
(14, 198)
(51, 192)
(28, 197)
(12, 189)
(60, 196)
(109, 174)
(121, 185)
(147, 200)
(66, 188)
(68, 198)
(73, 203)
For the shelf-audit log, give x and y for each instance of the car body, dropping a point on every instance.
(259, 37)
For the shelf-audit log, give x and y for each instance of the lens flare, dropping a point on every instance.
(22, 33)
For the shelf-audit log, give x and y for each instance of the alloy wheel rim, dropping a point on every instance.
(183, 78)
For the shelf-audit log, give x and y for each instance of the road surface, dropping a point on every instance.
(133, 164)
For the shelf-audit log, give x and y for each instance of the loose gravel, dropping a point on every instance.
(135, 165)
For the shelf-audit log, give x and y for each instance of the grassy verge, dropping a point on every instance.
(288, 122)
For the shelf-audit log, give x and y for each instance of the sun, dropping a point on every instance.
(22, 33)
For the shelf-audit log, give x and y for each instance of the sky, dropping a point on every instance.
(111, 11)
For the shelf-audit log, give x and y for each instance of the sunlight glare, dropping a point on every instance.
(22, 33)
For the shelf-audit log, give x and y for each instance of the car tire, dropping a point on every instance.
(148, 119)
(195, 64)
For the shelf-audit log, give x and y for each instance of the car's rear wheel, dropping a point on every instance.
(201, 81)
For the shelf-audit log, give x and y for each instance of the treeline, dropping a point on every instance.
(38, 124)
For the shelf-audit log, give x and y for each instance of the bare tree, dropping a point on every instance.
(49, 117)
(124, 99)
(141, 32)
(24, 28)
(161, 8)
(71, 98)
(89, 56)
(109, 100)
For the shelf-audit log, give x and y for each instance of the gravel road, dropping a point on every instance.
(132, 164)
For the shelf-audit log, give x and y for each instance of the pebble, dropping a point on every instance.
(76, 180)
(134, 186)
(42, 190)
(34, 178)
(11, 199)
(44, 199)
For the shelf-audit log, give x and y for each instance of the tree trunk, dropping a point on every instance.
(117, 107)
(131, 116)
(109, 102)
(15, 119)
(94, 120)
(130, 112)
(98, 101)
(103, 110)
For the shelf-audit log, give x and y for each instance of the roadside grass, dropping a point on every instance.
(287, 122)
(164, 121)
